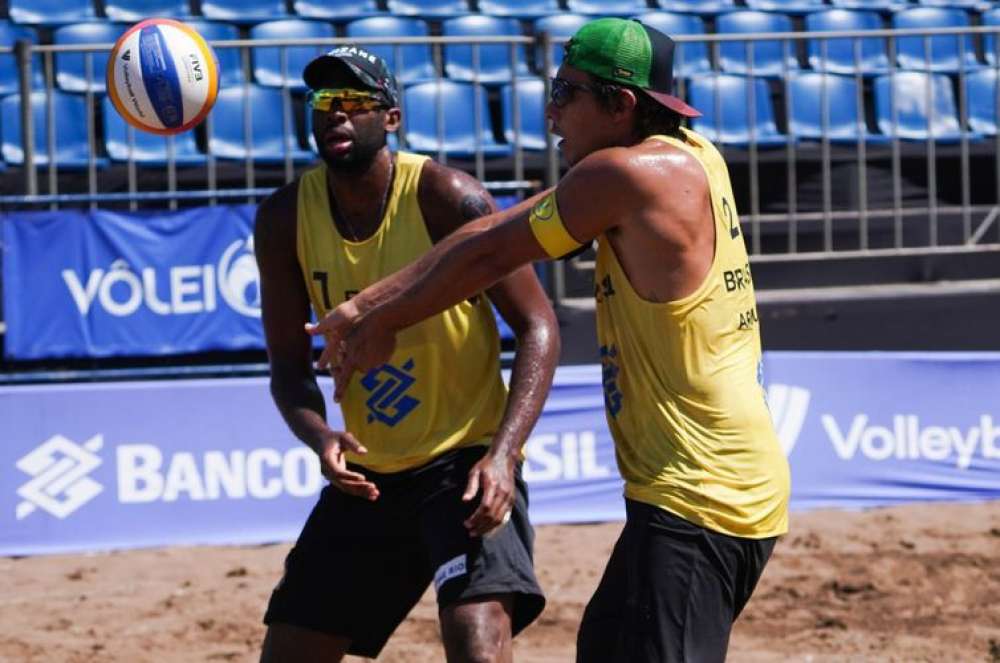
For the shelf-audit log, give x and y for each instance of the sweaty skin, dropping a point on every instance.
(650, 200)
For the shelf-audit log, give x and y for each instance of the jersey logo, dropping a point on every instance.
(609, 377)
(389, 402)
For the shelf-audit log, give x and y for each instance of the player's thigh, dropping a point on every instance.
(286, 643)
(478, 629)
(599, 635)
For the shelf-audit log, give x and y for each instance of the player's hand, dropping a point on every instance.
(333, 463)
(493, 477)
(353, 343)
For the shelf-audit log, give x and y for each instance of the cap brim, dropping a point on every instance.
(673, 103)
(314, 71)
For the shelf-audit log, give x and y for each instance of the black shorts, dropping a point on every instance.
(359, 567)
(671, 591)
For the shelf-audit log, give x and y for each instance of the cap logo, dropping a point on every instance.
(621, 72)
(353, 50)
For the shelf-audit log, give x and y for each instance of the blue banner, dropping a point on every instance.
(99, 283)
(103, 284)
(102, 466)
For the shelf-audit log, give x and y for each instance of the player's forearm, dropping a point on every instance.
(302, 405)
(530, 381)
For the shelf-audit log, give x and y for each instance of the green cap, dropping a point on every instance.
(631, 53)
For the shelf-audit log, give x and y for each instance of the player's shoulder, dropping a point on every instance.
(442, 183)
(450, 197)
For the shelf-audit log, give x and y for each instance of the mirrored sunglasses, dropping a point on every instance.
(344, 99)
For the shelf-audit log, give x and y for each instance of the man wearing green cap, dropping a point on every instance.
(706, 482)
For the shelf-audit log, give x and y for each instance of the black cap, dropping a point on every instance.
(363, 66)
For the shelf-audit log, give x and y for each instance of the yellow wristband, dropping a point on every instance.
(548, 228)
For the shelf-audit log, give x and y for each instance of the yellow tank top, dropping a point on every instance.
(442, 388)
(681, 384)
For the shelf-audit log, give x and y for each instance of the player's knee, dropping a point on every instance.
(284, 643)
(477, 633)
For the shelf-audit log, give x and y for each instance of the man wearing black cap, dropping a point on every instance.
(425, 481)
(706, 482)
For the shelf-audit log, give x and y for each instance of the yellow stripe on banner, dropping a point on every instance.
(548, 228)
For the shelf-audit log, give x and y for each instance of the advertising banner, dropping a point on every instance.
(122, 465)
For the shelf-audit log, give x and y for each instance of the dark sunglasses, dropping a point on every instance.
(563, 91)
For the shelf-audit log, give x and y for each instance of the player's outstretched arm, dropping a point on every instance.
(284, 310)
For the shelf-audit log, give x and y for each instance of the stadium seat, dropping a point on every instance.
(494, 64)
(768, 56)
(872, 5)
(9, 78)
(230, 64)
(71, 146)
(148, 149)
(810, 92)
(428, 8)
(969, 5)
(944, 52)
(991, 18)
(690, 58)
(839, 57)
(981, 96)
(560, 28)
(446, 109)
(526, 9)
(267, 65)
(607, 7)
(724, 101)
(136, 10)
(409, 62)
(71, 72)
(51, 12)
(243, 11)
(707, 7)
(917, 120)
(336, 9)
(270, 141)
(531, 107)
(787, 6)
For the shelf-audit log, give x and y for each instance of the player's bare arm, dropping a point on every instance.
(284, 310)
(449, 199)
(598, 193)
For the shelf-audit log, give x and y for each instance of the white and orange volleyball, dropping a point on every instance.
(162, 76)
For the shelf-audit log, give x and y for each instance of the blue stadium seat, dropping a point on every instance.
(428, 8)
(136, 10)
(531, 107)
(561, 26)
(243, 11)
(768, 56)
(71, 72)
(526, 9)
(945, 55)
(991, 17)
(787, 6)
(410, 62)
(981, 96)
(917, 120)
(267, 66)
(336, 9)
(690, 58)
(494, 64)
(810, 92)
(9, 79)
(448, 106)
(873, 56)
(69, 111)
(706, 7)
(270, 141)
(970, 5)
(872, 5)
(724, 101)
(51, 12)
(148, 149)
(607, 7)
(230, 64)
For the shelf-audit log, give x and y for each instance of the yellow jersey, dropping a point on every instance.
(442, 388)
(682, 389)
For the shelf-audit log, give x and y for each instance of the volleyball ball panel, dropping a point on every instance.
(162, 76)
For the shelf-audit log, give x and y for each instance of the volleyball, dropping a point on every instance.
(162, 76)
